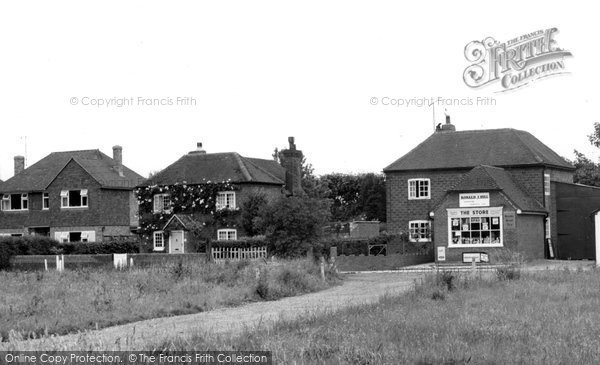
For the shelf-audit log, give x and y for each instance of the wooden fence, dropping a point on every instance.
(237, 253)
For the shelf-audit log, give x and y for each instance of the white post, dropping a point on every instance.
(597, 230)
(46, 264)
(62, 263)
(57, 263)
(131, 262)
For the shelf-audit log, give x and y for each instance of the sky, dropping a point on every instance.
(243, 76)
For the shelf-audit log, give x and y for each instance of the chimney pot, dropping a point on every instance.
(19, 164)
(118, 158)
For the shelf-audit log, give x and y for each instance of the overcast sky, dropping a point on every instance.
(262, 71)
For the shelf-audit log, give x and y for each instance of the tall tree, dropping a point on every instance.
(587, 172)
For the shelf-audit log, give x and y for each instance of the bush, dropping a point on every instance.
(508, 273)
(37, 245)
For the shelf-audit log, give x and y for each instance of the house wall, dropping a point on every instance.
(401, 210)
(526, 236)
(107, 208)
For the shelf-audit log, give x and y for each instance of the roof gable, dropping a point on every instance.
(197, 168)
(467, 149)
(490, 178)
(99, 166)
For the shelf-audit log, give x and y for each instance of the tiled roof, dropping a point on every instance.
(195, 168)
(490, 178)
(38, 176)
(467, 149)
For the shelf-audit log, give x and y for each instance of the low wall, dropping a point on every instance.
(36, 262)
(374, 263)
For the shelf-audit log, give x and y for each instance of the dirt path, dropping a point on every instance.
(356, 289)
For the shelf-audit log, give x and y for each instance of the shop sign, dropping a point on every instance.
(510, 220)
(441, 253)
(474, 200)
(475, 212)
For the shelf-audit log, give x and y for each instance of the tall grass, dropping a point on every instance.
(42, 303)
(549, 317)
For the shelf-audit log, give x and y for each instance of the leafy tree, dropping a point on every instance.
(360, 196)
(293, 224)
(595, 136)
(251, 209)
(586, 171)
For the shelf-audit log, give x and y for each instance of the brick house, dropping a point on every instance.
(477, 192)
(203, 192)
(74, 196)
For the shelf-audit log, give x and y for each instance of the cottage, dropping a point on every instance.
(180, 209)
(73, 196)
(476, 193)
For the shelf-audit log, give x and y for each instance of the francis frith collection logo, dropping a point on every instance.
(516, 62)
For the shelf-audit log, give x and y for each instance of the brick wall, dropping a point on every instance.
(401, 210)
(374, 263)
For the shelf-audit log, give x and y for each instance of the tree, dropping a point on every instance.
(293, 224)
(251, 209)
(356, 196)
(595, 136)
(586, 171)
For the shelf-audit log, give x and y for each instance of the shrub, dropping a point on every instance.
(95, 248)
(508, 273)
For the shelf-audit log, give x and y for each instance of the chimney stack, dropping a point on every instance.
(291, 160)
(118, 158)
(199, 150)
(448, 127)
(19, 164)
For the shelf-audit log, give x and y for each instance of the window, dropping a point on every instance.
(226, 200)
(546, 184)
(418, 189)
(419, 231)
(475, 227)
(15, 202)
(76, 236)
(159, 241)
(45, 201)
(227, 235)
(74, 198)
(162, 202)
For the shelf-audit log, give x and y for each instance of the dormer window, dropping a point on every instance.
(15, 202)
(419, 189)
(226, 200)
(74, 198)
(162, 203)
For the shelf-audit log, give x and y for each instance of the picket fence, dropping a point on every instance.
(237, 253)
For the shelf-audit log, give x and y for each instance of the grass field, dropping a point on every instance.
(42, 303)
(547, 317)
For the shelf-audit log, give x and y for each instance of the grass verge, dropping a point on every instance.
(501, 317)
(35, 304)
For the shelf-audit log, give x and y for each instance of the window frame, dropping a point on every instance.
(161, 200)
(65, 196)
(226, 195)
(7, 199)
(227, 232)
(162, 240)
(499, 214)
(45, 201)
(428, 230)
(417, 188)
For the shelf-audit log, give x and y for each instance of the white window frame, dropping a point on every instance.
(45, 199)
(226, 200)
(419, 227)
(65, 199)
(414, 188)
(227, 234)
(475, 245)
(547, 184)
(158, 246)
(7, 202)
(161, 203)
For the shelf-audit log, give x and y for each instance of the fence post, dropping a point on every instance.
(322, 268)
(46, 264)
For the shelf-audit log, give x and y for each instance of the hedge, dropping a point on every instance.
(36, 245)
(353, 246)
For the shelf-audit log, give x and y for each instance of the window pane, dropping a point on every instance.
(74, 198)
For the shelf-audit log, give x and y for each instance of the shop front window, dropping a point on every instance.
(475, 227)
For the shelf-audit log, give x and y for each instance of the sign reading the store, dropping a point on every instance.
(474, 200)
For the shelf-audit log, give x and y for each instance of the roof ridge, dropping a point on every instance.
(243, 167)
